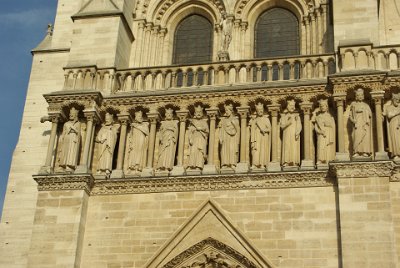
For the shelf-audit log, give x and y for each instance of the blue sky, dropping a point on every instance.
(24, 24)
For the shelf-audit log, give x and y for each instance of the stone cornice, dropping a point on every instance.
(396, 173)
(362, 169)
(358, 77)
(65, 182)
(273, 180)
(213, 182)
(88, 99)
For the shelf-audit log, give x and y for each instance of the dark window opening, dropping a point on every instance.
(193, 41)
(277, 34)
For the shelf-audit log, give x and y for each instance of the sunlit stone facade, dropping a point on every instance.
(210, 133)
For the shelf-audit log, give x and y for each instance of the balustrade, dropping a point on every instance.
(232, 72)
(359, 57)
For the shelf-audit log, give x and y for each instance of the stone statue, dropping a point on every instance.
(138, 144)
(361, 119)
(324, 126)
(290, 124)
(392, 113)
(260, 139)
(70, 141)
(226, 32)
(168, 140)
(107, 138)
(229, 138)
(198, 131)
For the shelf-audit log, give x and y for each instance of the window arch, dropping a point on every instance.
(193, 41)
(277, 34)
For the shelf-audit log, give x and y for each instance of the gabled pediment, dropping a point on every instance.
(98, 6)
(208, 239)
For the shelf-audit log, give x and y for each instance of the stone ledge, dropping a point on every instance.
(214, 182)
(272, 180)
(362, 169)
(65, 182)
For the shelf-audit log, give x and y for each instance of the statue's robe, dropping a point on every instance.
(393, 116)
(229, 138)
(361, 116)
(70, 144)
(139, 141)
(168, 140)
(198, 135)
(291, 126)
(324, 125)
(107, 138)
(260, 130)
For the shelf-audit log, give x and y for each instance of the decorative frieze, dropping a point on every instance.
(362, 169)
(65, 182)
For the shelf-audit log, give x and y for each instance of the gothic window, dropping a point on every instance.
(277, 34)
(193, 41)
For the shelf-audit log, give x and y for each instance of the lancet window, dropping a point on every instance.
(277, 34)
(193, 41)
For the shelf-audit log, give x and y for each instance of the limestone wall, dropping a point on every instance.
(355, 20)
(291, 227)
(21, 193)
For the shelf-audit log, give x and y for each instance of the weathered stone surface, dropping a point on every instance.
(251, 183)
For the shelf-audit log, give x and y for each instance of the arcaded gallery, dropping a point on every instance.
(210, 134)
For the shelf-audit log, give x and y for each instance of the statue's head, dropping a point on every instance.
(291, 105)
(109, 119)
(323, 105)
(139, 116)
(73, 114)
(359, 94)
(396, 99)
(223, 14)
(260, 109)
(198, 112)
(228, 109)
(169, 114)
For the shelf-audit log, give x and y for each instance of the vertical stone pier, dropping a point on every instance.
(364, 204)
(59, 223)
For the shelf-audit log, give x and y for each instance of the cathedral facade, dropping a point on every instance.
(210, 133)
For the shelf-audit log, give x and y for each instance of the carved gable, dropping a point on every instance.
(208, 239)
(210, 253)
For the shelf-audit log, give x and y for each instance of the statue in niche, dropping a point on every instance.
(107, 138)
(260, 139)
(392, 113)
(290, 124)
(361, 119)
(226, 32)
(70, 141)
(229, 138)
(168, 140)
(138, 144)
(324, 125)
(198, 131)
